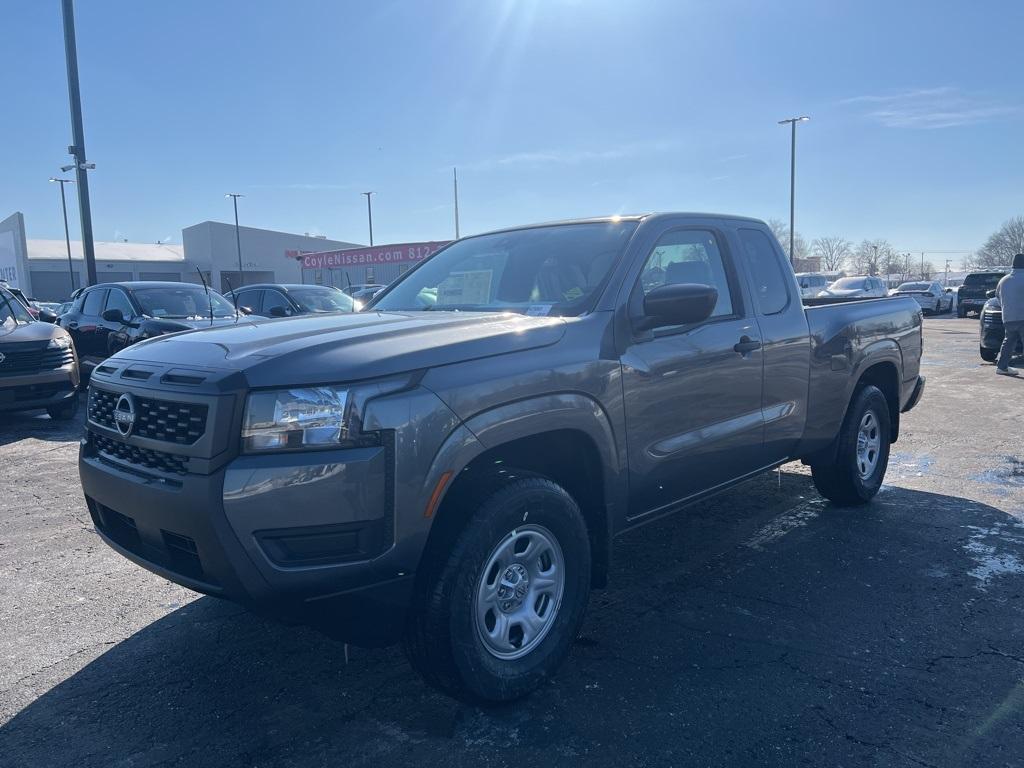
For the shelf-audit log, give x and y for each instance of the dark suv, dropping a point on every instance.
(974, 292)
(108, 317)
(287, 300)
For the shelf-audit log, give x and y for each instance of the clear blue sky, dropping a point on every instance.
(550, 109)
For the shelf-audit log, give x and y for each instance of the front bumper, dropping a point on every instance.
(303, 538)
(38, 390)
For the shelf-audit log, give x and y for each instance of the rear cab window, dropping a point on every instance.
(770, 280)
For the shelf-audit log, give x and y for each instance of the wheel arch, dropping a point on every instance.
(566, 438)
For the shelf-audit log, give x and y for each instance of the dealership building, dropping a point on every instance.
(40, 267)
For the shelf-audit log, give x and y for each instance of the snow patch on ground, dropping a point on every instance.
(775, 529)
(987, 547)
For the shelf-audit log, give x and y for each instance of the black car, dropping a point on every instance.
(974, 292)
(287, 299)
(991, 331)
(108, 317)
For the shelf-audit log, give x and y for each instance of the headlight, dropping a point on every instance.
(63, 341)
(289, 419)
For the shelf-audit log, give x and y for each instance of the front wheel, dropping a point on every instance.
(65, 411)
(961, 312)
(988, 355)
(862, 454)
(497, 611)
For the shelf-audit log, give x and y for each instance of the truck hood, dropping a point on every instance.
(317, 349)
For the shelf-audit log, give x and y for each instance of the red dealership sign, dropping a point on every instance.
(378, 254)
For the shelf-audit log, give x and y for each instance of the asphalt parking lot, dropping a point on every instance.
(764, 627)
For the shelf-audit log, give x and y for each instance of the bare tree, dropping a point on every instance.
(1001, 246)
(833, 252)
(781, 231)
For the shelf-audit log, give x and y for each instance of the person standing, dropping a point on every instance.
(1011, 295)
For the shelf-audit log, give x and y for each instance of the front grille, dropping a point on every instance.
(165, 420)
(27, 362)
(992, 318)
(139, 457)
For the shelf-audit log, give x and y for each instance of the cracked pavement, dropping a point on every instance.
(763, 627)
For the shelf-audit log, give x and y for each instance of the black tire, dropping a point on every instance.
(443, 642)
(961, 312)
(842, 482)
(65, 411)
(988, 355)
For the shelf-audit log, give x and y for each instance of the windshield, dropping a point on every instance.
(182, 303)
(848, 283)
(915, 287)
(553, 270)
(984, 280)
(12, 312)
(325, 299)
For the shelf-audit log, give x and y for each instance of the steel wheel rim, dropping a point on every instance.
(519, 592)
(869, 445)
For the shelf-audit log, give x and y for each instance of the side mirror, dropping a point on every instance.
(114, 316)
(279, 311)
(949, 290)
(678, 304)
(990, 294)
(47, 316)
(245, 310)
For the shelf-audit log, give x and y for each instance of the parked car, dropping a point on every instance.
(38, 366)
(974, 292)
(454, 467)
(111, 316)
(352, 290)
(811, 283)
(287, 300)
(991, 332)
(863, 287)
(930, 295)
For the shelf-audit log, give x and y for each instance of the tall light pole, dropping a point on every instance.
(67, 235)
(238, 238)
(369, 214)
(874, 264)
(77, 150)
(792, 180)
(455, 181)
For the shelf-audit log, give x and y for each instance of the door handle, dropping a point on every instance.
(746, 345)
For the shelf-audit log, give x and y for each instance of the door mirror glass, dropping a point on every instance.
(278, 311)
(114, 316)
(678, 304)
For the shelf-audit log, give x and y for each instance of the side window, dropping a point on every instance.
(93, 304)
(688, 256)
(250, 299)
(117, 300)
(771, 282)
(272, 299)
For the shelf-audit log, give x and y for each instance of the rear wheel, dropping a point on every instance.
(961, 312)
(988, 355)
(862, 454)
(497, 611)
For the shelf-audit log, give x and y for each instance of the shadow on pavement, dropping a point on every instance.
(763, 628)
(19, 425)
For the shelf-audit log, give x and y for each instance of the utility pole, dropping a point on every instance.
(792, 180)
(455, 180)
(77, 150)
(67, 235)
(922, 266)
(369, 214)
(945, 280)
(874, 264)
(238, 238)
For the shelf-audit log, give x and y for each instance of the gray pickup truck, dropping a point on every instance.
(451, 466)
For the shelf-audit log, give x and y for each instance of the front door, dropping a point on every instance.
(692, 393)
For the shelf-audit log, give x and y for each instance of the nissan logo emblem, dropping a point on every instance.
(124, 414)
